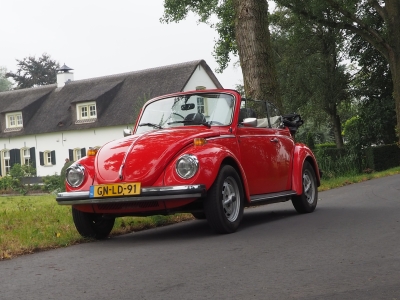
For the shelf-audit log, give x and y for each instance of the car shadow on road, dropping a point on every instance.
(199, 229)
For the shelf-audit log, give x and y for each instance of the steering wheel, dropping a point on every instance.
(178, 115)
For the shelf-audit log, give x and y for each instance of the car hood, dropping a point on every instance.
(142, 158)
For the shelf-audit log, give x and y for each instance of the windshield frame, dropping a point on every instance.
(218, 108)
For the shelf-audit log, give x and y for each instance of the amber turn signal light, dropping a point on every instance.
(199, 141)
(92, 151)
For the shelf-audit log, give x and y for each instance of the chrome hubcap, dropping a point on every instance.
(308, 187)
(230, 199)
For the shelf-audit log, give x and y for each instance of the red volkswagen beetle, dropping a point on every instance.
(210, 153)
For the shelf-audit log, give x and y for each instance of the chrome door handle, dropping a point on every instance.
(274, 140)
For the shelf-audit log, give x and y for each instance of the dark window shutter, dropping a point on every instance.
(1, 172)
(41, 158)
(71, 155)
(83, 152)
(32, 154)
(53, 157)
(15, 157)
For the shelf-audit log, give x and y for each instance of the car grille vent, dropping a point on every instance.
(128, 205)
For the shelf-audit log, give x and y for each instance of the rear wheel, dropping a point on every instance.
(307, 201)
(92, 225)
(223, 206)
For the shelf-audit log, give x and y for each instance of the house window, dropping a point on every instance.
(25, 156)
(47, 158)
(87, 111)
(14, 120)
(5, 162)
(200, 105)
(77, 153)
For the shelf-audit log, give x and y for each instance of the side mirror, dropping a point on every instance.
(127, 132)
(250, 122)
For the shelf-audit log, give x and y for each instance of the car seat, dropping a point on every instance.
(195, 118)
(246, 113)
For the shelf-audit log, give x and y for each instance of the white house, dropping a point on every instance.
(46, 125)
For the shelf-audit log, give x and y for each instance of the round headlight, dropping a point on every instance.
(187, 166)
(75, 175)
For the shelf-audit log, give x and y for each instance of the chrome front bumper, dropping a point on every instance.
(146, 194)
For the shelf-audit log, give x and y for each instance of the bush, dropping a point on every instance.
(383, 157)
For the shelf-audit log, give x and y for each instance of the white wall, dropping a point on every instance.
(199, 78)
(61, 142)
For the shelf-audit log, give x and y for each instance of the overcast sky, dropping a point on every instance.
(98, 37)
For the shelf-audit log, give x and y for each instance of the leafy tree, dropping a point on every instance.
(5, 84)
(373, 88)
(34, 72)
(310, 68)
(243, 30)
(375, 21)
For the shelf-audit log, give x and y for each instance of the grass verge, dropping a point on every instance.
(30, 224)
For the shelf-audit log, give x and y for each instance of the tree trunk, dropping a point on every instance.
(393, 22)
(255, 52)
(337, 130)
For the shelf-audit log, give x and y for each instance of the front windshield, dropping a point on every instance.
(205, 109)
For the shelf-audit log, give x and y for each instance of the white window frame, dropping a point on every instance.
(88, 106)
(5, 167)
(77, 153)
(14, 120)
(47, 158)
(25, 157)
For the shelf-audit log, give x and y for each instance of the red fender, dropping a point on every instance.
(301, 154)
(210, 158)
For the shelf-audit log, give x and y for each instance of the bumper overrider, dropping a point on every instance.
(163, 193)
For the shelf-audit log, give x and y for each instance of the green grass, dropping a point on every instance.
(34, 223)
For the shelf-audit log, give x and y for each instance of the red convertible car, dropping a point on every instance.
(210, 153)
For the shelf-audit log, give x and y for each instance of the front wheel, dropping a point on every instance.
(92, 225)
(223, 206)
(307, 201)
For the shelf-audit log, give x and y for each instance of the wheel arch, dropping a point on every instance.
(302, 154)
(232, 162)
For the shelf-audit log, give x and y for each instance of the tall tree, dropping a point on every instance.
(33, 72)
(243, 30)
(310, 67)
(359, 17)
(5, 84)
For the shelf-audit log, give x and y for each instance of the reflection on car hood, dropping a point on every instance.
(142, 158)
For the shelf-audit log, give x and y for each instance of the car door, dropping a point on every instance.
(266, 159)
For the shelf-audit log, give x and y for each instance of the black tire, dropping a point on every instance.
(223, 205)
(307, 201)
(199, 215)
(90, 225)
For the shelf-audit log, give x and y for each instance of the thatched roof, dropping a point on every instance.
(118, 98)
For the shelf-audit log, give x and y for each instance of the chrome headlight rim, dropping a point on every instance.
(187, 166)
(79, 170)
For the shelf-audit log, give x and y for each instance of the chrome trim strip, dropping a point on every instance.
(225, 136)
(147, 194)
(263, 197)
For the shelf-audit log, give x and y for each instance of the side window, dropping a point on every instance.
(274, 116)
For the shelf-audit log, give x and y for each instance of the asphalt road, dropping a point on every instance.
(349, 248)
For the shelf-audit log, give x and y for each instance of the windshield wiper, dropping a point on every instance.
(191, 121)
(151, 124)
